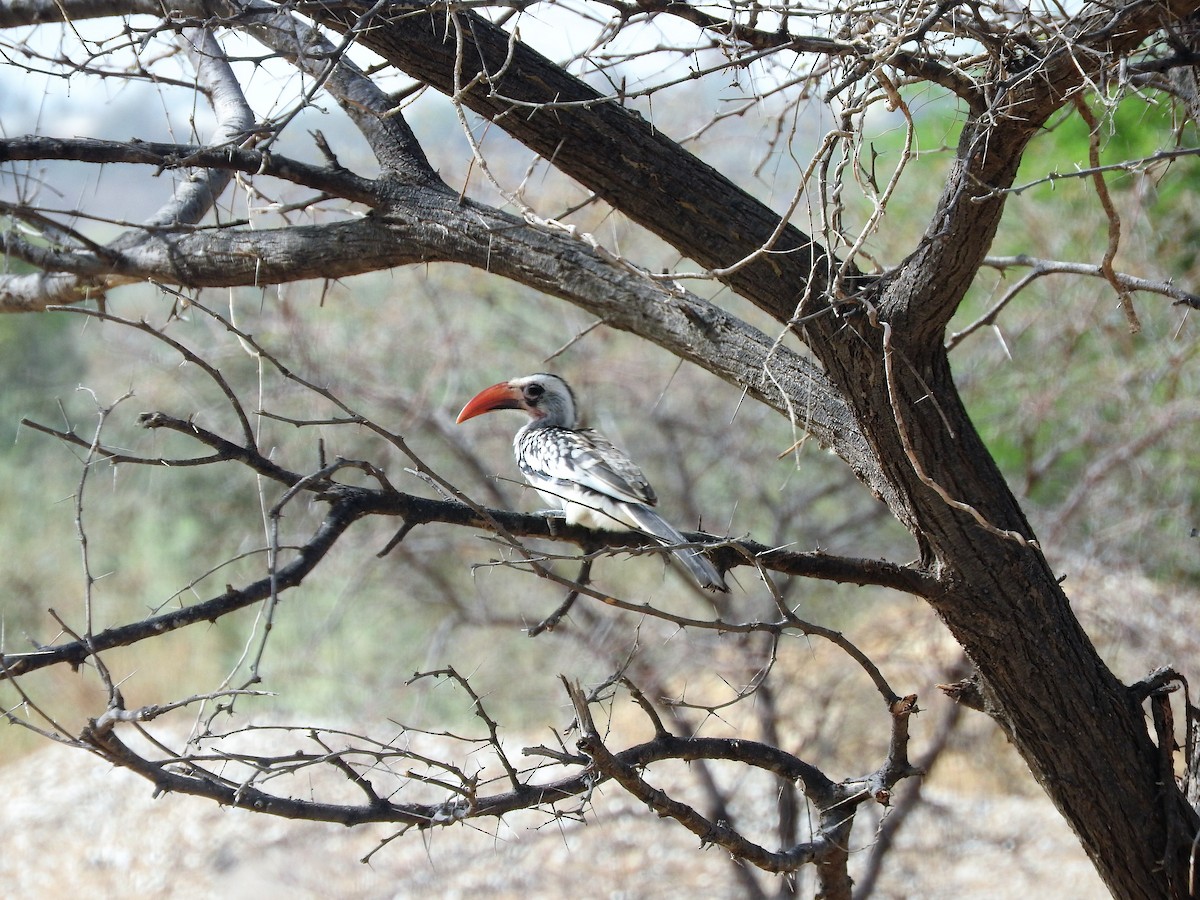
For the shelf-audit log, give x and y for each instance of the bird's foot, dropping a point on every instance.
(553, 517)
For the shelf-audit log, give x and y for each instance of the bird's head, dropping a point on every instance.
(546, 398)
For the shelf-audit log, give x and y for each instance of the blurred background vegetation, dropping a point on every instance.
(1093, 426)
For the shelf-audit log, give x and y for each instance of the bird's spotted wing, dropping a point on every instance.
(584, 459)
(613, 470)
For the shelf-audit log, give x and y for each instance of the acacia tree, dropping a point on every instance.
(855, 354)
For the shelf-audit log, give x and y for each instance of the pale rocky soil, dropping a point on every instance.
(73, 826)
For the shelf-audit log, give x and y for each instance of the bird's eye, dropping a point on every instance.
(533, 391)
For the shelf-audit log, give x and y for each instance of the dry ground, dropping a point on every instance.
(72, 825)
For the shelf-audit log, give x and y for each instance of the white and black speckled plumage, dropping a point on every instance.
(593, 482)
(581, 472)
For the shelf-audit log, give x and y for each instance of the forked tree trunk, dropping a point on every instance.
(1081, 732)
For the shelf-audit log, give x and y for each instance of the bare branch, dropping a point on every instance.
(198, 192)
(190, 201)
(375, 114)
(1134, 166)
(835, 802)
(1110, 213)
(163, 156)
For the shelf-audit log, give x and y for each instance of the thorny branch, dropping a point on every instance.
(1110, 213)
(988, 56)
(466, 797)
(348, 504)
(835, 802)
(372, 764)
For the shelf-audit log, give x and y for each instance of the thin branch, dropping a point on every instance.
(348, 504)
(167, 156)
(481, 713)
(1138, 165)
(1110, 213)
(552, 621)
(188, 354)
(197, 193)
(340, 517)
(915, 460)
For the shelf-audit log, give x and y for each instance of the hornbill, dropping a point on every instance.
(595, 484)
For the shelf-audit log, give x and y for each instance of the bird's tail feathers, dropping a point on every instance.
(693, 560)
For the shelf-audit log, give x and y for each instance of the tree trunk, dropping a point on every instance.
(1080, 731)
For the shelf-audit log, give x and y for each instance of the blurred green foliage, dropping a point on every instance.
(1092, 425)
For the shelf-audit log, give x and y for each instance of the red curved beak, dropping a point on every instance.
(498, 396)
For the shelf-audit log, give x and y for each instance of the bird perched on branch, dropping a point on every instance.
(595, 484)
